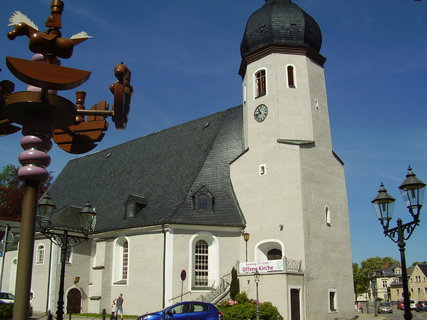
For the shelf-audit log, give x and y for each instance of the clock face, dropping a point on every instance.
(261, 113)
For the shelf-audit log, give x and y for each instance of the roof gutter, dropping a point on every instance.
(164, 266)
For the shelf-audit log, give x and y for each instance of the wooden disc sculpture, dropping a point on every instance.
(42, 113)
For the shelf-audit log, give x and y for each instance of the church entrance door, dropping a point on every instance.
(74, 301)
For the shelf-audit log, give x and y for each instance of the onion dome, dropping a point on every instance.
(280, 23)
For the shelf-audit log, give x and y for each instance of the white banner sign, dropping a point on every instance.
(262, 266)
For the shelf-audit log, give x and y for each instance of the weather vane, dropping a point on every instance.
(43, 114)
(76, 129)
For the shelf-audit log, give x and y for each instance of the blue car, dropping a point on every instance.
(188, 310)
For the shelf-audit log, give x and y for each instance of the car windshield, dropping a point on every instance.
(6, 295)
(384, 304)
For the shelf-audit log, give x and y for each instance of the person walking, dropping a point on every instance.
(119, 305)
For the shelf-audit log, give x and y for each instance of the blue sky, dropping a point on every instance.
(184, 56)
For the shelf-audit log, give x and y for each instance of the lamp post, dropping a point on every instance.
(373, 278)
(412, 190)
(65, 236)
(257, 275)
(246, 238)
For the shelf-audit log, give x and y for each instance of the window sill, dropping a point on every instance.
(120, 283)
(98, 268)
(201, 288)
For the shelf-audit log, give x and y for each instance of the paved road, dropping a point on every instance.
(398, 315)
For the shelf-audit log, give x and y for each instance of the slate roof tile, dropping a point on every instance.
(165, 169)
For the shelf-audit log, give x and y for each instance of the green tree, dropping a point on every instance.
(417, 262)
(361, 274)
(360, 284)
(235, 285)
(12, 193)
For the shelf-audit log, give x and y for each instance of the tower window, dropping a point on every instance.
(327, 216)
(291, 76)
(260, 83)
(274, 254)
(332, 300)
(262, 169)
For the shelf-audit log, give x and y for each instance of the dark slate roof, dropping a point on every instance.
(280, 22)
(423, 268)
(163, 170)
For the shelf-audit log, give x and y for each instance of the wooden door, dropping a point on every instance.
(295, 304)
(74, 301)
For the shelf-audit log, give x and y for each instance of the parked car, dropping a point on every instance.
(6, 297)
(421, 306)
(412, 305)
(384, 307)
(188, 310)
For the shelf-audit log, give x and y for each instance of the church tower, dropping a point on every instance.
(289, 183)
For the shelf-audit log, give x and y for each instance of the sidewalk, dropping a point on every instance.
(44, 316)
(366, 316)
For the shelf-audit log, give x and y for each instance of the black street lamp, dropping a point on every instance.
(246, 238)
(65, 230)
(412, 190)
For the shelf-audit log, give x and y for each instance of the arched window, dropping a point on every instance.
(327, 216)
(260, 83)
(274, 254)
(13, 270)
(125, 261)
(201, 264)
(204, 261)
(290, 72)
(40, 254)
(121, 261)
(269, 250)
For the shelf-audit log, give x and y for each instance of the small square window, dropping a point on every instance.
(262, 169)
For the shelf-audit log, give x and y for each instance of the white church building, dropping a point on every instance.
(182, 198)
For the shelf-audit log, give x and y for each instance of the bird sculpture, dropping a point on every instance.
(50, 42)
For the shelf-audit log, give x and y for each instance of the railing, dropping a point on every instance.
(219, 291)
(293, 265)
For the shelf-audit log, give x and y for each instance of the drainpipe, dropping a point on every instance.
(49, 278)
(164, 266)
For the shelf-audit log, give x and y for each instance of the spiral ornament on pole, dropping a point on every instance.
(36, 142)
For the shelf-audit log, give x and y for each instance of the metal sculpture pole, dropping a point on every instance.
(44, 115)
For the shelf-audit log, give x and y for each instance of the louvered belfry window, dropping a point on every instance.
(261, 85)
(201, 268)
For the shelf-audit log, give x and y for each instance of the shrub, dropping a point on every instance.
(6, 311)
(243, 309)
